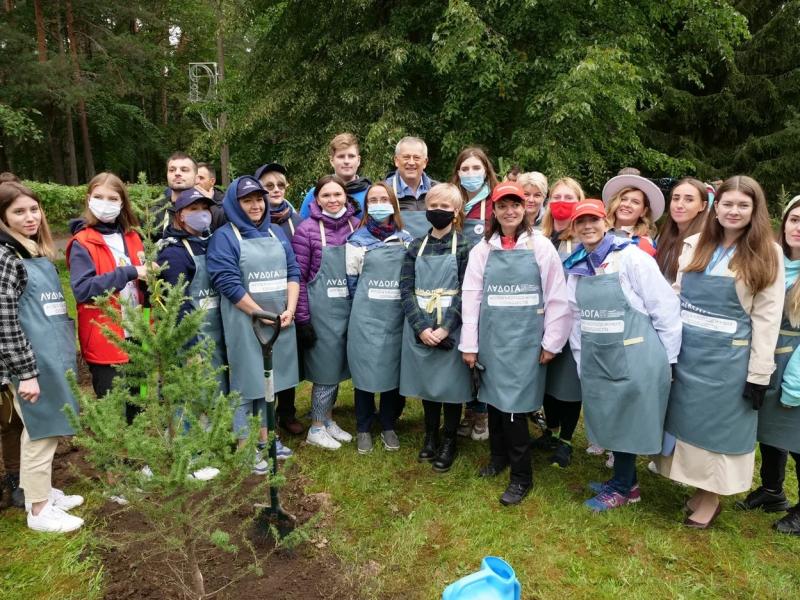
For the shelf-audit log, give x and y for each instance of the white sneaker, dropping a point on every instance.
(337, 433)
(260, 466)
(205, 474)
(595, 450)
(53, 520)
(610, 460)
(319, 436)
(63, 501)
(652, 467)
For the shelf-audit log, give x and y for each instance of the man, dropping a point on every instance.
(410, 182)
(343, 154)
(205, 182)
(182, 175)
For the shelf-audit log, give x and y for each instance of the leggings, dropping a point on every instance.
(563, 415)
(102, 382)
(433, 411)
(322, 399)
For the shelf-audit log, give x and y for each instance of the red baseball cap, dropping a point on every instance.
(508, 188)
(589, 207)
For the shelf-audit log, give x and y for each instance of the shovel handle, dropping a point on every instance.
(259, 327)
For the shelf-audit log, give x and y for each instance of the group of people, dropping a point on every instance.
(487, 300)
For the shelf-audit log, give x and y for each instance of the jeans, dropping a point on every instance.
(624, 477)
(257, 407)
(365, 409)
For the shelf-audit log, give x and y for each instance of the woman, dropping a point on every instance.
(430, 291)
(731, 281)
(633, 205)
(626, 334)
(252, 266)
(475, 178)
(323, 309)
(516, 319)
(535, 186)
(562, 398)
(779, 417)
(38, 347)
(687, 212)
(105, 254)
(373, 256)
(272, 177)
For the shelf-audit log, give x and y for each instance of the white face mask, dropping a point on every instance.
(336, 215)
(105, 210)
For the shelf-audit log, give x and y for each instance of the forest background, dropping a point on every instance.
(578, 87)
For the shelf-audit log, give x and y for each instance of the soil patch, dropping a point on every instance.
(307, 572)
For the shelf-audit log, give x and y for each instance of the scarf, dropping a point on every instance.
(585, 264)
(381, 231)
(482, 194)
(280, 214)
(792, 271)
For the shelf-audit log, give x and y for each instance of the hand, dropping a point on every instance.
(470, 358)
(440, 333)
(428, 338)
(754, 393)
(141, 272)
(287, 317)
(28, 389)
(207, 193)
(545, 357)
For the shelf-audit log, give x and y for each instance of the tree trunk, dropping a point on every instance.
(71, 157)
(76, 70)
(224, 155)
(198, 585)
(54, 143)
(41, 39)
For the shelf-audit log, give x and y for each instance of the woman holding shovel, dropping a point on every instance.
(516, 319)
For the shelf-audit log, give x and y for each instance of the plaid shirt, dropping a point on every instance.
(418, 319)
(16, 355)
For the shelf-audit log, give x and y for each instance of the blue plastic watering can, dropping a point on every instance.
(495, 581)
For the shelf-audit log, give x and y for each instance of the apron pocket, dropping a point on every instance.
(607, 361)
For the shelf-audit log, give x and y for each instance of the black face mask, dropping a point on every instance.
(439, 218)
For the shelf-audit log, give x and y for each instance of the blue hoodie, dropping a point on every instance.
(224, 250)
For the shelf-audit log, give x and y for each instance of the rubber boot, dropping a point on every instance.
(446, 456)
(428, 452)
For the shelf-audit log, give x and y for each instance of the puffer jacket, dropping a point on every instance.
(307, 245)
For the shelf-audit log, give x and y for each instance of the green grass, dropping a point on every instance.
(425, 530)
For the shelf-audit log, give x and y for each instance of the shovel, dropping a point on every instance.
(273, 517)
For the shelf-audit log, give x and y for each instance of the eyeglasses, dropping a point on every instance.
(411, 157)
(271, 186)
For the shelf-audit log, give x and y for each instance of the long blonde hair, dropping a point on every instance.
(548, 223)
(42, 243)
(755, 261)
(644, 226)
(127, 218)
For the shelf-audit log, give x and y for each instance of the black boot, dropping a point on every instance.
(12, 494)
(446, 456)
(765, 500)
(428, 452)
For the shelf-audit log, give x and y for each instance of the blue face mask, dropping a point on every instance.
(472, 183)
(380, 212)
(199, 220)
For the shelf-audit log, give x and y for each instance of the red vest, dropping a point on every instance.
(95, 348)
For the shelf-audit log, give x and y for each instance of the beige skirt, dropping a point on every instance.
(723, 474)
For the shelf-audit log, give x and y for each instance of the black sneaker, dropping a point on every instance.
(790, 523)
(765, 500)
(515, 493)
(492, 469)
(562, 457)
(546, 441)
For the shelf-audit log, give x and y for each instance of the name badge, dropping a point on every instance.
(602, 326)
(444, 301)
(262, 287)
(337, 292)
(383, 294)
(209, 302)
(512, 299)
(53, 309)
(709, 323)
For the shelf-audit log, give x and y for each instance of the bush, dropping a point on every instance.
(65, 202)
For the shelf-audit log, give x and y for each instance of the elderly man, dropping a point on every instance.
(410, 183)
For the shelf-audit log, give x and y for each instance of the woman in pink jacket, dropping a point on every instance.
(516, 318)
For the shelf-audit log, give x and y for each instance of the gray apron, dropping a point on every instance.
(205, 297)
(374, 335)
(562, 372)
(426, 372)
(779, 426)
(475, 228)
(625, 371)
(51, 333)
(511, 324)
(329, 304)
(415, 222)
(706, 407)
(262, 261)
